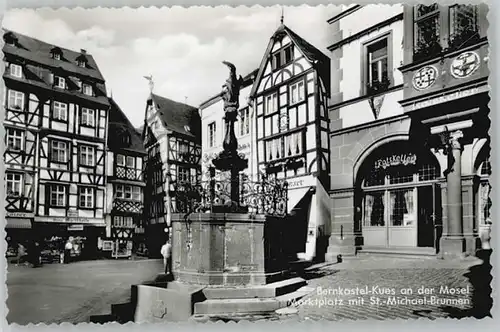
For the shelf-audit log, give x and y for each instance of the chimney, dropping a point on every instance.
(83, 51)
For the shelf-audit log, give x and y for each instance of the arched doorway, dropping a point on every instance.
(482, 202)
(398, 197)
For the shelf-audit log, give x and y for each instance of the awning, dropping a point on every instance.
(18, 223)
(298, 197)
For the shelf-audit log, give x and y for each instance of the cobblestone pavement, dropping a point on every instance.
(388, 288)
(57, 293)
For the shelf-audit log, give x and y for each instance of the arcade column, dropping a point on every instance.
(453, 241)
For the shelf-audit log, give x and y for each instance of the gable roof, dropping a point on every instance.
(120, 127)
(176, 116)
(38, 51)
(317, 58)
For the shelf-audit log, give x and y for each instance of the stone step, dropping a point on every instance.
(259, 306)
(123, 312)
(398, 251)
(264, 291)
(102, 319)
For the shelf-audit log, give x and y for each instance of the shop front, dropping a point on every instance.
(84, 235)
(18, 228)
(398, 197)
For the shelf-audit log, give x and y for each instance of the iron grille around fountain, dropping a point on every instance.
(267, 196)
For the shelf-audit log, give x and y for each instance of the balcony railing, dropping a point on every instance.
(263, 197)
(376, 86)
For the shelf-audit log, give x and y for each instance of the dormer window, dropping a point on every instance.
(56, 53)
(81, 63)
(282, 57)
(16, 70)
(87, 90)
(10, 38)
(59, 82)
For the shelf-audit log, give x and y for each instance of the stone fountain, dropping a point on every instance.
(230, 253)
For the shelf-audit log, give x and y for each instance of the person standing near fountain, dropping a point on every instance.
(166, 252)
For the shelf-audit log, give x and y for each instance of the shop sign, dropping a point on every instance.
(447, 98)
(72, 220)
(396, 160)
(75, 228)
(19, 214)
(300, 182)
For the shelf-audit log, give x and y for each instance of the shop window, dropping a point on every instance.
(374, 209)
(427, 31)
(401, 207)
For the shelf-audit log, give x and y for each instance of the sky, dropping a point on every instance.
(182, 48)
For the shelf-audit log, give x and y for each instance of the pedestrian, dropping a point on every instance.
(21, 252)
(166, 252)
(36, 258)
(67, 251)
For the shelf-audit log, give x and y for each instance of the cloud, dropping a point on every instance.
(181, 47)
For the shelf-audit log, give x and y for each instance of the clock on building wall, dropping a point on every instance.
(425, 77)
(465, 64)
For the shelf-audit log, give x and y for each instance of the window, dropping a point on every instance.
(282, 57)
(463, 25)
(271, 103)
(378, 66)
(58, 195)
(14, 184)
(183, 147)
(86, 197)
(87, 117)
(60, 82)
(120, 160)
(16, 99)
(183, 174)
(59, 152)
(136, 193)
(16, 70)
(124, 191)
(56, 55)
(426, 30)
(211, 134)
(130, 162)
(118, 221)
(244, 121)
(14, 139)
(297, 93)
(87, 90)
(284, 147)
(60, 111)
(86, 155)
(81, 63)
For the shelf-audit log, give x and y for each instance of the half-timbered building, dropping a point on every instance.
(172, 139)
(125, 185)
(290, 96)
(56, 114)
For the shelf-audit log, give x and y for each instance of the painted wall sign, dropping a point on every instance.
(396, 160)
(425, 77)
(19, 214)
(449, 97)
(75, 228)
(465, 64)
(75, 220)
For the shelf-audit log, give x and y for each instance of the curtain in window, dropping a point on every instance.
(368, 210)
(408, 199)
